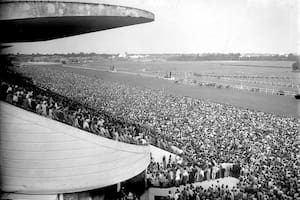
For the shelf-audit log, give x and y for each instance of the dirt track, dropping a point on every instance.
(280, 105)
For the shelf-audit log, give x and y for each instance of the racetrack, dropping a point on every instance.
(280, 105)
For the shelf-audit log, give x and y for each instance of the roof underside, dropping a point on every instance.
(27, 21)
(42, 156)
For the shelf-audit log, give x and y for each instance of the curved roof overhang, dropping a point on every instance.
(42, 156)
(28, 21)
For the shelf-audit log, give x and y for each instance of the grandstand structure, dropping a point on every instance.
(45, 159)
(27, 21)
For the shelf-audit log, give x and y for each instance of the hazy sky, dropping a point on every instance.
(191, 26)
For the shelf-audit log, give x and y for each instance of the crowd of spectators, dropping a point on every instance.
(265, 146)
(171, 172)
(213, 192)
(64, 110)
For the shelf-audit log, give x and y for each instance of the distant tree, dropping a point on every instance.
(296, 66)
(291, 57)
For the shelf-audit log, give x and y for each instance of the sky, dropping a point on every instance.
(191, 26)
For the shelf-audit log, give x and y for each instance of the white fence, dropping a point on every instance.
(265, 90)
(239, 87)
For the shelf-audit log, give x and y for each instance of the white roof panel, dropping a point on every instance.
(43, 156)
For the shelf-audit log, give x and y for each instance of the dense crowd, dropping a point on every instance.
(213, 192)
(264, 145)
(61, 109)
(171, 172)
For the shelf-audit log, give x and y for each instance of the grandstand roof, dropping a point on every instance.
(27, 21)
(42, 156)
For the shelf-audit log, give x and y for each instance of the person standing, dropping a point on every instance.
(185, 175)
(178, 177)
